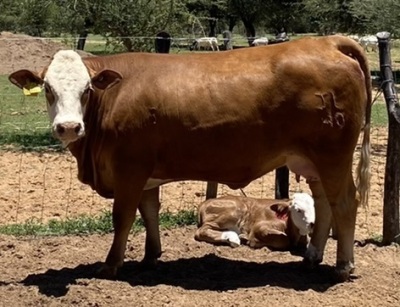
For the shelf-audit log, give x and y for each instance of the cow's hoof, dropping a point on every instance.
(312, 257)
(344, 271)
(148, 263)
(107, 272)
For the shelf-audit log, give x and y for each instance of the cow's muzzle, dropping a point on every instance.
(68, 131)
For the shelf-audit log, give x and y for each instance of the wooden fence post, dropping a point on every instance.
(391, 221)
(282, 182)
(162, 42)
(212, 189)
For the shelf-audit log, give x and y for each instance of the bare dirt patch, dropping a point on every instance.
(19, 51)
(59, 272)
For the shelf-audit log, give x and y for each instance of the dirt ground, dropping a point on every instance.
(61, 270)
(19, 51)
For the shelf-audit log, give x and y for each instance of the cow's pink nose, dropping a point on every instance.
(68, 128)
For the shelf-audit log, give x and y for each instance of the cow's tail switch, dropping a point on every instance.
(353, 49)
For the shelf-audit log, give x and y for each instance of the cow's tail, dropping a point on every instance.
(353, 49)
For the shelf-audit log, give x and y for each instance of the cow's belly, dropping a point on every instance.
(303, 167)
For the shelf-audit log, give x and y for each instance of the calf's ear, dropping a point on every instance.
(25, 78)
(106, 79)
(280, 208)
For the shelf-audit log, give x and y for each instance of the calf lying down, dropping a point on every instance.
(276, 224)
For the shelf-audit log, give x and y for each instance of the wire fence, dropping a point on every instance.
(39, 178)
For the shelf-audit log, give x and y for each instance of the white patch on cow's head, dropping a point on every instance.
(66, 81)
(302, 212)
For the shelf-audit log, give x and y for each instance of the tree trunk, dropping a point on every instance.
(250, 31)
(82, 40)
(213, 25)
(232, 23)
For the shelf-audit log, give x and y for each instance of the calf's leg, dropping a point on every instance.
(211, 233)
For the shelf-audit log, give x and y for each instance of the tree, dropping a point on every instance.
(134, 23)
(249, 11)
(211, 10)
(9, 15)
(375, 15)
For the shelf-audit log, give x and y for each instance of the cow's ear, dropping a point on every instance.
(106, 79)
(25, 78)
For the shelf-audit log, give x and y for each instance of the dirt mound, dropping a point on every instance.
(18, 51)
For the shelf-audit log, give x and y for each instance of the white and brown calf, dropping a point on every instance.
(276, 224)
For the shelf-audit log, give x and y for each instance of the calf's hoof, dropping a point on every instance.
(344, 271)
(107, 272)
(231, 238)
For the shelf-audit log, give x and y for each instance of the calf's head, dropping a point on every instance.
(68, 83)
(302, 212)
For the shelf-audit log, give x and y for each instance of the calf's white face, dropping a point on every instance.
(302, 212)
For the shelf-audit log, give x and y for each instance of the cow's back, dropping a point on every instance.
(238, 114)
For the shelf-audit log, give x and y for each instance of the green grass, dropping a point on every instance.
(24, 123)
(92, 224)
(379, 115)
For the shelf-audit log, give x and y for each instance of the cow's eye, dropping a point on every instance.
(49, 94)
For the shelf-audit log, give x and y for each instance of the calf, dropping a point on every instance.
(276, 224)
(369, 41)
(262, 41)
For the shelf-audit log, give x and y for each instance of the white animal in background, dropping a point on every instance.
(355, 37)
(205, 43)
(369, 41)
(261, 41)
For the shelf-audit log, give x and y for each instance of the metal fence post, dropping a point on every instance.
(391, 221)
(282, 182)
(163, 42)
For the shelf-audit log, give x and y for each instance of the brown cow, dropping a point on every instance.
(276, 224)
(137, 120)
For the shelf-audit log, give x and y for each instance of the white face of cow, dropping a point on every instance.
(302, 212)
(67, 83)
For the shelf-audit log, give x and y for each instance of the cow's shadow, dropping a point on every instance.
(209, 272)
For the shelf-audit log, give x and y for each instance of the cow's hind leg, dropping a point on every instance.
(341, 194)
(315, 250)
(149, 208)
(344, 210)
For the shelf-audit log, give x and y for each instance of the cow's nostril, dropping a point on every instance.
(311, 225)
(77, 128)
(60, 129)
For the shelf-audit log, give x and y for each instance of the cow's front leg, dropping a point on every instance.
(127, 194)
(323, 213)
(149, 209)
